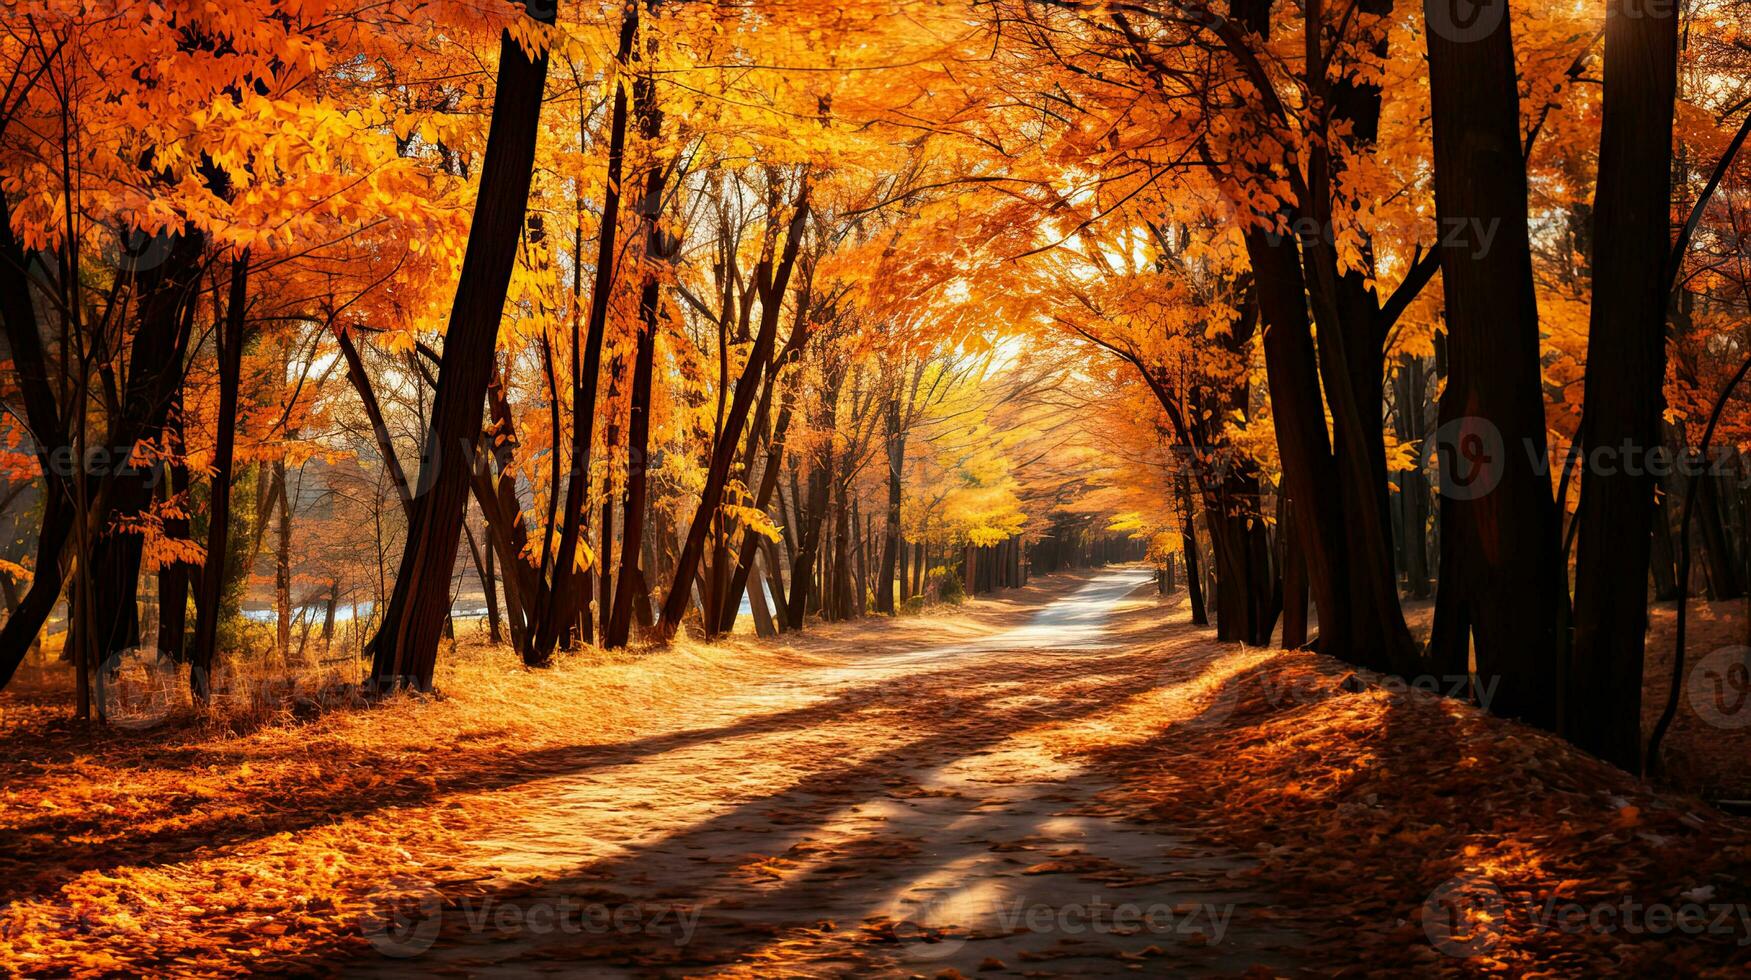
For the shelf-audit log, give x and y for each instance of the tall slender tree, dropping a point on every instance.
(1626, 369)
(405, 649)
(1501, 574)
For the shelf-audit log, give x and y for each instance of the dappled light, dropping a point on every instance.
(898, 488)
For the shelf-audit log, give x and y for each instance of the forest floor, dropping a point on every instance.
(1067, 779)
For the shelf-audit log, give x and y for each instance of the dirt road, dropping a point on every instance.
(896, 808)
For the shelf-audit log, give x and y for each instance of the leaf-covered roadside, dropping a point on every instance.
(210, 855)
(1372, 810)
(1364, 810)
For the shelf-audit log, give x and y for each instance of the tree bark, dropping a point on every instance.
(1501, 576)
(896, 453)
(1717, 552)
(109, 622)
(1295, 584)
(405, 649)
(752, 540)
(49, 436)
(919, 562)
(1413, 490)
(483, 568)
(771, 282)
(659, 247)
(283, 563)
(764, 626)
(173, 578)
(863, 530)
(207, 609)
(568, 599)
(1626, 369)
(1663, 558)
(1189, 537)
(1298, 415)
(813, 514)
(1352, 335)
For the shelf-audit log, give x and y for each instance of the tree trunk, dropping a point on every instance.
(918, 568)
(860, 573)
(283, 563)
(328, 613)
(839, 603)
(1295, 584)
(896, 446)
(173, 578)
(506, 531)
(207, 610)
(405, 649)
(1626, 369)
(562, 606)
(1248, 593)
(1413, 492)
(730, 603)
(1723, 573)
(814, 513)
(771, 283)
(605, 547)
(1352, 335)
(374, 414)
(483, 566)
(1189, 536)
(659, 247)
(24, 343)
(638, 427)
(1663, 558)
(1501, 577)
(763, 623)
(109, 622)
(1298, 414)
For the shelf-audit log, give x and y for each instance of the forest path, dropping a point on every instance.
(893, 809)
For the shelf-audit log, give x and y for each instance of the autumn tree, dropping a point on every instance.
(405, 649)
(1626, 351)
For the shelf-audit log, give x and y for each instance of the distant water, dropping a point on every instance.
(343, 612)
